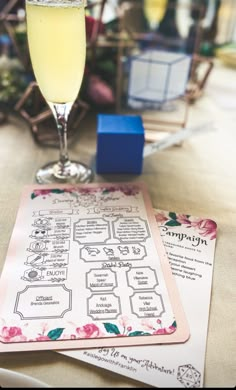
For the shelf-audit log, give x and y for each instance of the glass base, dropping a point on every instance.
(72, 172)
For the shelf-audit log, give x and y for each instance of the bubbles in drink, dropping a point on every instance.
(58, 3)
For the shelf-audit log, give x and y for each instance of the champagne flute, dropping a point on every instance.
(154, 11)
(57, 45)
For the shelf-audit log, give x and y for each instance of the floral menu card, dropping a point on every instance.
(190, 245)
(82, 261)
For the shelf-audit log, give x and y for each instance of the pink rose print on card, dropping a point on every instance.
(89, 331)
(204, 227)
(12, 334)
(126, 190)
(157, 328)
(161, 218)
(183, 219)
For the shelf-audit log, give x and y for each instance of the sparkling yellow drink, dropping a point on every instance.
(57, 44)
(154, 11)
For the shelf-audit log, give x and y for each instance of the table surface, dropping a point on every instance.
(197, 177)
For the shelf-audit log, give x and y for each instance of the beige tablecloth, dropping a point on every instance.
(197, 178)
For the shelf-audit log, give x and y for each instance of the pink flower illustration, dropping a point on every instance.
(205, 227)
(42, 192)
(12, 333)
(162, 331)
(123, 320)
(42, 337)
(183, 219)
(89, 331)
(161, 218)
(147, 324)
(86, 190)
(129, 191)
(44, 327)
(126, 190)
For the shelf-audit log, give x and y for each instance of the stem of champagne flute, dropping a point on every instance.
(61, 113)
(64, 170)
(154, 25)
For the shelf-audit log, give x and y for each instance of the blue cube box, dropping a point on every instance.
(120, 142)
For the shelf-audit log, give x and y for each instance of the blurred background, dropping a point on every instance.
(148, 56)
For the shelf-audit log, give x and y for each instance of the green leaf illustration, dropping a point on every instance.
(172, 215)
(33, 195)
(57, 191)
(172, 223)
(174, 324)
(139, 333)
(111, 328)
(54, 334)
